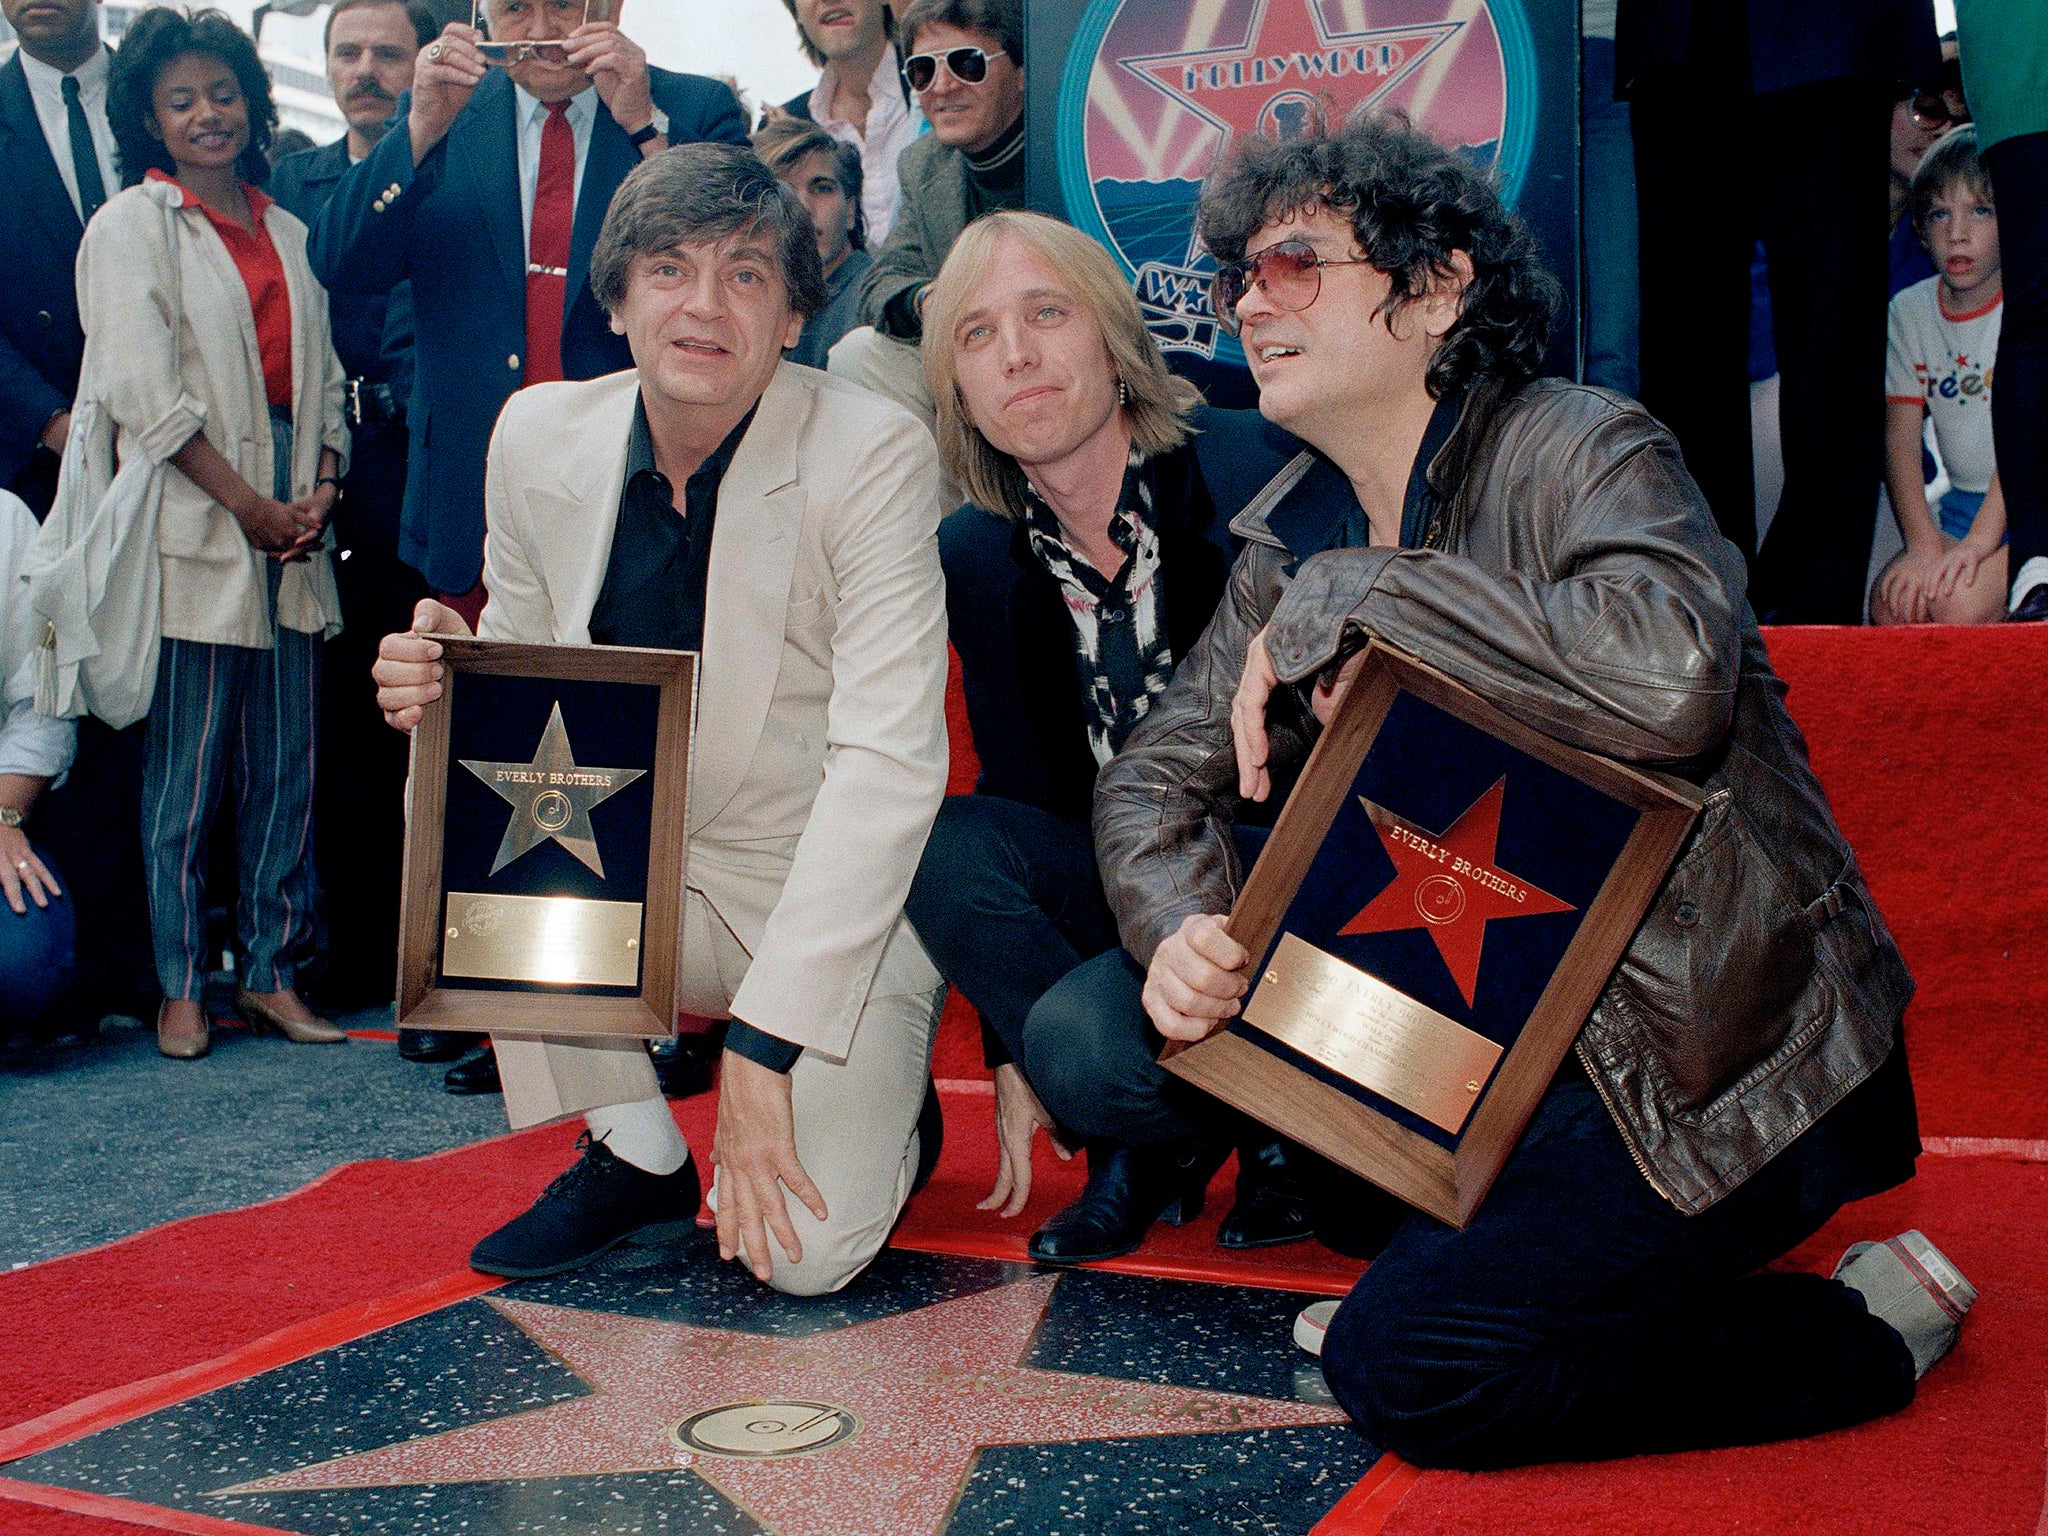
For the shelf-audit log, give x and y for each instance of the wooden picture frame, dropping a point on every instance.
(1445, 1175)
(430, 999)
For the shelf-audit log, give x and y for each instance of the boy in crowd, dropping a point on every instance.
(825, 174)
(1944, 340)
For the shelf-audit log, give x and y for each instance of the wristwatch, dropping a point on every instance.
(10, 817)
(658, 124)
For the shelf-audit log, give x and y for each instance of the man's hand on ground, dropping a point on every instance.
(1196, 979)
(755, 1150)
(408, 666)
(1018, 1117)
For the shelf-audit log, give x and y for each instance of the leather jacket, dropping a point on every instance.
(1572, 575)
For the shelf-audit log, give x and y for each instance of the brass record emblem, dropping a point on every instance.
(759, 1431)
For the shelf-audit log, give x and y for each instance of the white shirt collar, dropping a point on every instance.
(885, 90)
(532, 110)
(92, 74)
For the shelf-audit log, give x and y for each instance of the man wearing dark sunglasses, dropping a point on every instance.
(1742, 1074)
(964, 59)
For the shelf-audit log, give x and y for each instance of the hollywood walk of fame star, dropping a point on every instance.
(1449, 885)
(1290, 69)
(870, 1430)
(551, 797)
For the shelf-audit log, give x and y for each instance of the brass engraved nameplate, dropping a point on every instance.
(1380, 1038)
(564, 939)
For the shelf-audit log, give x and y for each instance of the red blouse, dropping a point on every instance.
(262, 272)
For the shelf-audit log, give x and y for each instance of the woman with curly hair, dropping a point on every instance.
(207, 347)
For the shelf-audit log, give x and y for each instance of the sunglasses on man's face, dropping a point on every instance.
(1938, 109)
(967, 65)
(1289, 274)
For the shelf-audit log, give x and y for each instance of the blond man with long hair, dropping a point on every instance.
(1088, 562)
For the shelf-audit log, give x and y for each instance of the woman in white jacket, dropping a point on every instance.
(207, 344)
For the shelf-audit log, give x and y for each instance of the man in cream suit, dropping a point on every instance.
(800, 557)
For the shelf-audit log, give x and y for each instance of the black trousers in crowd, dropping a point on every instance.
(1804, 171)
(91, 825)
(2019, 402)
(358, 817)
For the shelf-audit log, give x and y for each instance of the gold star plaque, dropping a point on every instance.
(552, 797)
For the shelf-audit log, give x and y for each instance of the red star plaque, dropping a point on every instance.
(863, 1431)
(1449, 886)
(1290, 69)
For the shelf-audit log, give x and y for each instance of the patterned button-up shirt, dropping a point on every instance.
(1122, 656)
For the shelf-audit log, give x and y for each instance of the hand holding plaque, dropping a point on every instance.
(1439, 906)
(544, 890)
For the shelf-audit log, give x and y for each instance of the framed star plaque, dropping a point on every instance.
(545, 846)
(1440, 905)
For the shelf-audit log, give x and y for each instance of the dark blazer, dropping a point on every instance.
(454, 227)
(1008, 621)
(1791, 42)
(305, 184)
(40, 339)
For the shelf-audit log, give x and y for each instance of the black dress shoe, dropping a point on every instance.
(434, 1044)
(600, 1202)
(683, 1064)
(931, 1135)
(2032, 608)
(475, 1073)
(1272, 1204)
(1128, 1189)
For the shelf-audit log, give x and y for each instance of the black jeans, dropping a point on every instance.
(1713, 176)
(1007, 901)
(1580, 1315)
(2019, 404)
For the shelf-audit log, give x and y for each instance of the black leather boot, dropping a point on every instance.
(434, 1044)
(1128, 1189)
(1273, 1196)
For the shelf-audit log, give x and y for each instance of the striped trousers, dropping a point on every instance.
(222, 709)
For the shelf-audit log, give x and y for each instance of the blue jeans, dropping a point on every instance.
(1608, 166)
(1580, 1315)
(38, 950)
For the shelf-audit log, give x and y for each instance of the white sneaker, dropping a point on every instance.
(1313, 1323)
(1910, 1284)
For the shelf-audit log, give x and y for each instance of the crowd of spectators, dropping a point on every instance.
(364, 309)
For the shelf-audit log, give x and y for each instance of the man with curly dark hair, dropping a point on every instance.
(1742, 1075)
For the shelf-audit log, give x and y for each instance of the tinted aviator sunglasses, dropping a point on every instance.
(967, 65)
(1289, 274)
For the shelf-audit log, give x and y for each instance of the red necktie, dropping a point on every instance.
(547, 246)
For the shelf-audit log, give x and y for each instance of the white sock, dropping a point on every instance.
(643, 1134)
(2033, 574)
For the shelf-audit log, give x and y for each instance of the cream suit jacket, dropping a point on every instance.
(820, 750)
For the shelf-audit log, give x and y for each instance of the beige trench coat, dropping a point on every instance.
(171, 349)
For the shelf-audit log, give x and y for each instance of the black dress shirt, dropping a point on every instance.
(653, 595)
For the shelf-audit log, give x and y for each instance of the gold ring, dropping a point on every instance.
(434, 52)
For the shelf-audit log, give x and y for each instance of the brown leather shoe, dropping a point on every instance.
(314, 1031)
(182, 1042)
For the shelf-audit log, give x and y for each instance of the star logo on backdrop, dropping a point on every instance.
(1450, 886)
(869, 1430)
(551, 797)
(1290, 70)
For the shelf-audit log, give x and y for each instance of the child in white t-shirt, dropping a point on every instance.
(1944, 340)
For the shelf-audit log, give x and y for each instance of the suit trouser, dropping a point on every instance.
(855, 1119)
(1820, 213)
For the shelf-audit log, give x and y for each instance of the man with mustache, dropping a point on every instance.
(371, 48)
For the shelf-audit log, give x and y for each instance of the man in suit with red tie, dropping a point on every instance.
(490, 201)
